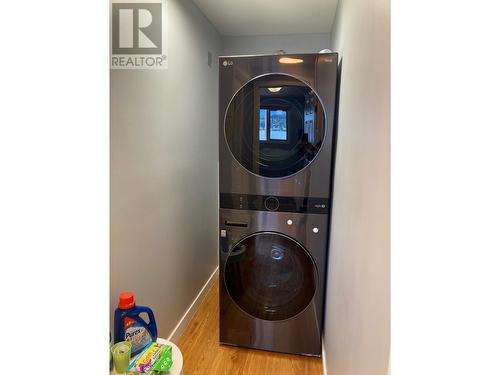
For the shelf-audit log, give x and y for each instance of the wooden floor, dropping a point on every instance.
(203, 354)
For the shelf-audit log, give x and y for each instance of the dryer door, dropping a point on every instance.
(275, 125)
(270, 276)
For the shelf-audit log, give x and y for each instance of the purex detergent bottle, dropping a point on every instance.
(129, 326)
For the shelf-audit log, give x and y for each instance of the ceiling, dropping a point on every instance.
(269, 17)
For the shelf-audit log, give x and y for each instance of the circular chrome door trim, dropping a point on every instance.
(322, 142)
(315, 268)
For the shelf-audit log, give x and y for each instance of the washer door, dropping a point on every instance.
(270, 276)
(275, 125)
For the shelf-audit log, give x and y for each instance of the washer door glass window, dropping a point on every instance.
(275, 125)
(270, 276)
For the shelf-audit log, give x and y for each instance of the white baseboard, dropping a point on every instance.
(323, 356)
(188, 315)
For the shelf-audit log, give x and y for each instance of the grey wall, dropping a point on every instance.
(357, 323)
(164, 171)
(266, 44)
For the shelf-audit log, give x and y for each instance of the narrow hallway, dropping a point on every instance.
(203, 354)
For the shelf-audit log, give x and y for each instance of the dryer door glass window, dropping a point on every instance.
(270, 276)
(275, 125)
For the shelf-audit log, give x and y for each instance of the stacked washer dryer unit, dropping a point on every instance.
(275, 162)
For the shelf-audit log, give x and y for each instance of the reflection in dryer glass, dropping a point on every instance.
(275, 133)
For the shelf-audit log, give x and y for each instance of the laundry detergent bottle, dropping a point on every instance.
(131, 327)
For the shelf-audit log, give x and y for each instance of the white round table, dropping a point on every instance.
(176, 358)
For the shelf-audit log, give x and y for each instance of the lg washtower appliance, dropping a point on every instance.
(276, 142)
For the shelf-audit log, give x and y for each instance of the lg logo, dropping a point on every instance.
(138, 35)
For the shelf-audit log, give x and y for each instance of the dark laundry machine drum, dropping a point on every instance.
(270, 276)
(275, 125)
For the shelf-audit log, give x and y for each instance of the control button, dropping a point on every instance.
(271, 203)
(223, 233)
(315, 230)
(289, 222)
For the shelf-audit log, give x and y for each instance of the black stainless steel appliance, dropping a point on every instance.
(275, 161)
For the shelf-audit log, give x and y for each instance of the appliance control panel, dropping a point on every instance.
(272, 203)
